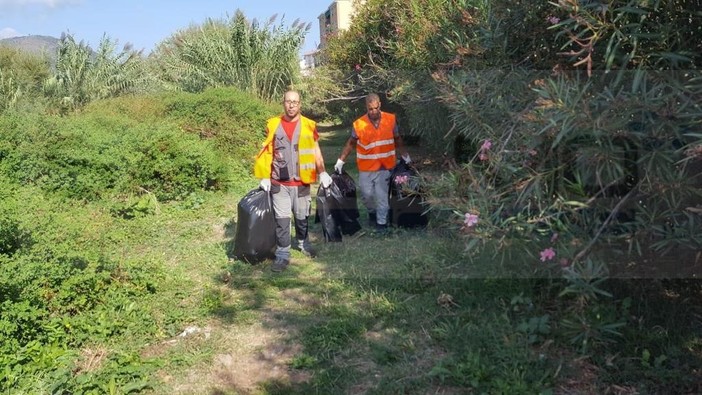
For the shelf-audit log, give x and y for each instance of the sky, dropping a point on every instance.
(145, 23)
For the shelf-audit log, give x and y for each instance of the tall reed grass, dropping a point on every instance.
(258, 58)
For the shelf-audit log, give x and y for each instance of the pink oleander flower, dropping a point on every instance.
(553, 20)
(483, 156)
(471, 220)
(547, 254)
(357, 67)
(487, 144)
(401, 179)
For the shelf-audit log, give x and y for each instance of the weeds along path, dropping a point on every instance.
(249, 333)
(370, 314)
(241, 336)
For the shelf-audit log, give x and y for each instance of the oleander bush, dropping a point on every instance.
(575, 135)
(578, 116)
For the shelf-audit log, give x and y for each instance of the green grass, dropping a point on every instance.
(365, 314)
(407, 312)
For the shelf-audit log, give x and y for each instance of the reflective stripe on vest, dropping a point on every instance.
(375, 148)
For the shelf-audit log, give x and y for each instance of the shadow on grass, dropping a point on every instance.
(407, 313)
(363, 312)
(373, 314)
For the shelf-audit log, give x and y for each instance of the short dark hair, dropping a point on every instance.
(372, 97)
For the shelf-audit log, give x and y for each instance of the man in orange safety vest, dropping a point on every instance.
(376, 138)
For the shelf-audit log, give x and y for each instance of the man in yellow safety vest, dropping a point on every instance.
(287, 164)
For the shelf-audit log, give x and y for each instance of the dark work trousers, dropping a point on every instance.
(290, 202)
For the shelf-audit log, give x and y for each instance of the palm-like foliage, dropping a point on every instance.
(261, 59)
(83, 75)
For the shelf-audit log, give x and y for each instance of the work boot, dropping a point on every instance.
(372, 219)
(306, 249)
(381, 229)
(279, 265)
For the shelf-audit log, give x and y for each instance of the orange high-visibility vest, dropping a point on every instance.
(375, 148)
(306, 159)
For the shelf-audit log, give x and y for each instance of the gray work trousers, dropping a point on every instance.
(374, 187)
(290, 202)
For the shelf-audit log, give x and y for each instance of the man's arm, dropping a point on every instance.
(324, 178)
(348, 147)
(318, 158)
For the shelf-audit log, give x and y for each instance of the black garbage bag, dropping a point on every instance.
(407, 205)
(344, 193)
(255, 229)
(337, 207)
(325, 214)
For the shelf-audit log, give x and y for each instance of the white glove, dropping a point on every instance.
(325, 179)
(406, 158)
(265, 184)
(339, 165)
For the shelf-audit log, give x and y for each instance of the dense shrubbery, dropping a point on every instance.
(12, 236)
(89, 158)
(576, 124)
(189, 143)
(232, 121)
(583, 122)
(57, 295)
(63, 178)
(53, 302)
(229, 117)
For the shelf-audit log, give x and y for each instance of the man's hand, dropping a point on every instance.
(339, 166)
(265, 184)
(325, 179)
(406, 158)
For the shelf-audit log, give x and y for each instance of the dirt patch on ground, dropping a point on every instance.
(269, 363)
(91, 359)
(263, 352)
(246, 358)
(300, 298)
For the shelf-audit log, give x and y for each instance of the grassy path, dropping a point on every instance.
(402, 313)
(150, 302)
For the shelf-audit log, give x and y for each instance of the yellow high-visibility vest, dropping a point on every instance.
(306, 159)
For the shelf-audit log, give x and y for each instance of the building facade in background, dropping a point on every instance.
(337, 17)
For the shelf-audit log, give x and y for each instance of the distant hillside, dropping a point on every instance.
(34, 44)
